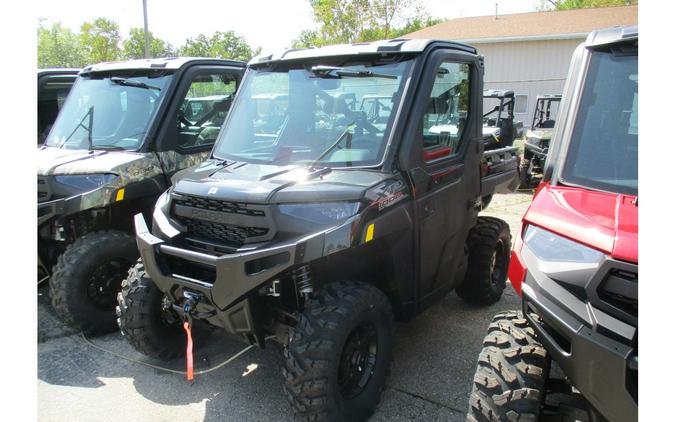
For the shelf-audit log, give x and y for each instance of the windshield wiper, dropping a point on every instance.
(131, 82)
(346, 132)
(339, 72)
(108, 147)
(90, 115)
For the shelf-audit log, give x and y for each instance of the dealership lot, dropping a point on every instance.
(434, 358)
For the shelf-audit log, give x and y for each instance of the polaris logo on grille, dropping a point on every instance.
(212, 216)
(212, 191)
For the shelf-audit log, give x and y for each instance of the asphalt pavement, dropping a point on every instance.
(434, 360)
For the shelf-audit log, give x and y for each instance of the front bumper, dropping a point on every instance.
(56, 207)
(227, 285)
(595, 350)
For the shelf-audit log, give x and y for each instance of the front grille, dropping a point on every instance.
(221, 206)
(222, 233)
(44, 193)
(221, 223)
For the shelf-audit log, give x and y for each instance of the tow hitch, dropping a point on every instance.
(187, 310)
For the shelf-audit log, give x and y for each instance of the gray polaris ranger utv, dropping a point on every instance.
(122, 133)
(320, 222)
(53, 86)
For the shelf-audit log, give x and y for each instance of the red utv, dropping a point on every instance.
(571, 352)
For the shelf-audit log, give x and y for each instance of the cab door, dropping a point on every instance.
(196, 114)
(444, 158)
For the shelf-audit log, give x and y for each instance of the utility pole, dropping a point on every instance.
(146, 49)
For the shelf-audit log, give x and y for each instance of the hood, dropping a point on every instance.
(540, 134)
(491, 131)
(76, 161)
(262, 184)
(604, 221)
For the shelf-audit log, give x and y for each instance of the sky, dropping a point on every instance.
(270, 24)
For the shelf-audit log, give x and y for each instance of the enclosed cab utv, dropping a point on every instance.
(53, 86)
(320, 227)
(575, 262)
(538, 138)
(122, 133)
(500, 128)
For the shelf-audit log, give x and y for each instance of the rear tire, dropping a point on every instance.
(87, 277)
(339, 353)
(489, 245)
(509, 383)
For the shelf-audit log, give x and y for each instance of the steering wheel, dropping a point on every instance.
(185, 122)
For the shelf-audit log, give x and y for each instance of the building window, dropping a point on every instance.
(521, 104)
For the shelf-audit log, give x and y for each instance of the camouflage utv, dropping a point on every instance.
(122, 133)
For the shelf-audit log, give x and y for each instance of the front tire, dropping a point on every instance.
(339, 353)
(87, 277)
(489, 245)
(509, 383)
(151, 327)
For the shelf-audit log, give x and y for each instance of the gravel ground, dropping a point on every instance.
(434, 361)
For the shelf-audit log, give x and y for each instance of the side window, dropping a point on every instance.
(447, 110)
(204, 108)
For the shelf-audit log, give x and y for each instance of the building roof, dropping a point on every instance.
(562, 24)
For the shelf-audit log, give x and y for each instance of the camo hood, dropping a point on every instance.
(56, 161)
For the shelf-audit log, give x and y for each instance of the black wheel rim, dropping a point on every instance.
(105, 281)
(499, 264)
(357, 362)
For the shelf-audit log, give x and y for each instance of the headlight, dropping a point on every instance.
(549, 246)
(327, 213)
(84, 182)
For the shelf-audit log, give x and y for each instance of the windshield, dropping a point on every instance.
(112, 112)
(603, 151)
(492, 111)
(335, 116)
(545, 113)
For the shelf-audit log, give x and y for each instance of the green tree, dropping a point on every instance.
(134, 45)
(101, 40)
(348, 21)
(226, 45)
(58, 47)
(582, 4)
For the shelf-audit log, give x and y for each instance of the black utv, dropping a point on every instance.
(320, 223)
(123, 131)
(53, 86)
(500, 128)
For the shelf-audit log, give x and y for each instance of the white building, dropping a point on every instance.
(529, 53)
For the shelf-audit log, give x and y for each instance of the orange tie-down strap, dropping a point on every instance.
(188, 352)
